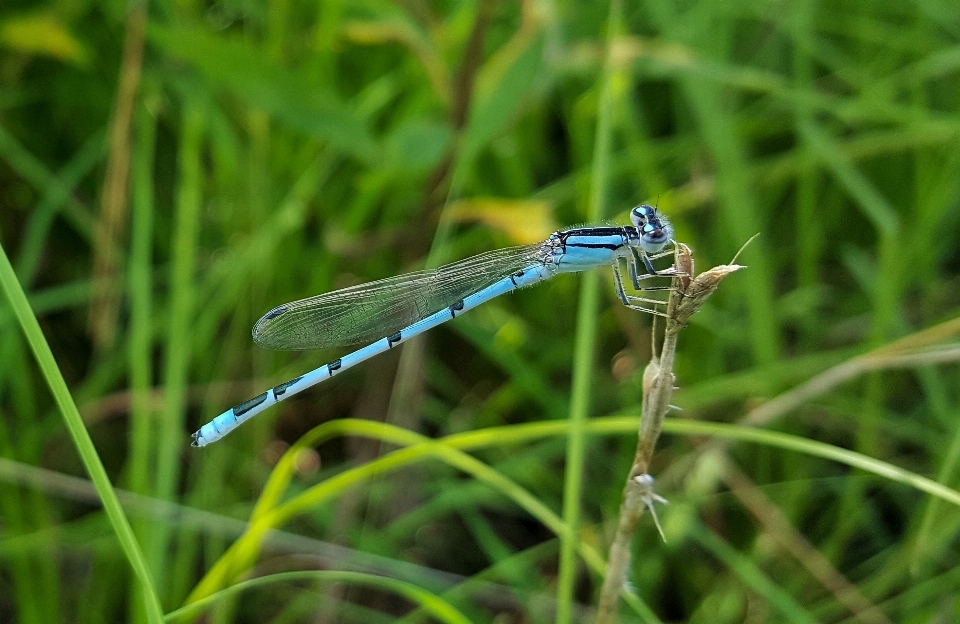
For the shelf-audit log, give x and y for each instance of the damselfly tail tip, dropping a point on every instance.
(196, 439)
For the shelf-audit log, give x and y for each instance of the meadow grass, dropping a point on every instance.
(282, 150)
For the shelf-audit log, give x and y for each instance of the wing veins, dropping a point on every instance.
(369, 311)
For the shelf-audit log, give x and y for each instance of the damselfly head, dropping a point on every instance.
(654, 229)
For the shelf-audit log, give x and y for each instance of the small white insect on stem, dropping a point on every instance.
(649, 497)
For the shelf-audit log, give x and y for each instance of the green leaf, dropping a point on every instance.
(288, 95)
(43, 34)
(502, 85)
(416, 145)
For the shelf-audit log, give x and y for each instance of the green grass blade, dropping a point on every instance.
(141, 302)
(817, 449)
(430, 602)
(41, 178)
(42, 216)
(269, 513)
(140, 288)
(739, 208)
(241, 555)
(586, 338)
(181, 316)
(81, 439)
(288, 95)
(749, 573)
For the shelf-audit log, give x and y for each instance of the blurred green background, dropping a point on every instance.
(171, 171)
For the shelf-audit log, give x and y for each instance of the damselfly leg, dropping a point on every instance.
(629, 301)
(633, 268)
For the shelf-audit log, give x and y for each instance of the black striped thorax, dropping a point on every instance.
(578, 248)
(600, 237)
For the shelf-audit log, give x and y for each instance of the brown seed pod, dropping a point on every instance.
(699, 289)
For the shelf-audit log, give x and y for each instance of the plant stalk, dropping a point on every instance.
(686, 297)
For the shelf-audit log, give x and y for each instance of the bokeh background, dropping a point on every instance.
(171, 171)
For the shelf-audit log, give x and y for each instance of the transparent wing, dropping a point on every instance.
(371, 311)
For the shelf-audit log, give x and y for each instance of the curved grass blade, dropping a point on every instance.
(81, 439)
(430, 602)
(270, 513)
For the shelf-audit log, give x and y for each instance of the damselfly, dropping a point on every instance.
(392, 310)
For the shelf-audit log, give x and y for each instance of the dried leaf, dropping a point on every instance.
(523, 221)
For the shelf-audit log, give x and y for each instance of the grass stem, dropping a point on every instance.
(586, 337)
(81, 438)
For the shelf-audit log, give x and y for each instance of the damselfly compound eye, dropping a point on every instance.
(642, 214)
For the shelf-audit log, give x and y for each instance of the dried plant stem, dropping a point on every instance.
(105, 303)
(687, 296)
(655, 404)
(619, 560)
